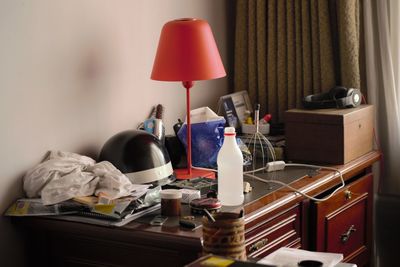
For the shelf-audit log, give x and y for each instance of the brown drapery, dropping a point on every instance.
(287, 49)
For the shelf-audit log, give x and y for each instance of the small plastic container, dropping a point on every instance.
(189, 194)
(171, 202)
(251, 128)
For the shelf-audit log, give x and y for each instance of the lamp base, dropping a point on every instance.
(182, 174)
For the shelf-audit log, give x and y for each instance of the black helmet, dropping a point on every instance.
(139, 155)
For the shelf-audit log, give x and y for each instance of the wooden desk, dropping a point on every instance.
(273, 219)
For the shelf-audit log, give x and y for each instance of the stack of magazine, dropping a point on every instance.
(89, 210)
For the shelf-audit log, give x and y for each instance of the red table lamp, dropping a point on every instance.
(187, 52)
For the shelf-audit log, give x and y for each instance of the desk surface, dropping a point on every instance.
(262, 195)
(171, 238)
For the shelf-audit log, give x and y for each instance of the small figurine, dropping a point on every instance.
(249, 119)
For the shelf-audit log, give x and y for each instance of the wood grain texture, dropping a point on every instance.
(284, 228)
(334, 136)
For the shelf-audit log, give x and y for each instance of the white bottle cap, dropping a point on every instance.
(230, 130)
(171, 194)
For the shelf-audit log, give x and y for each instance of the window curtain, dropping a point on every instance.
(382, 44)
(287, 49)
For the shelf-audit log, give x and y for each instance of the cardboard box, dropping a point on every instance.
(334, 136)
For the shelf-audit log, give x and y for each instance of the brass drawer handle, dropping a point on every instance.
(348, 194)
(258, 245)
(345, 236)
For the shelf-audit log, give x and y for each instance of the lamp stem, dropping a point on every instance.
(188, 85)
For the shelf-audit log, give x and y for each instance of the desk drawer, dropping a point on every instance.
(77, 251)
(343, 223)
(345, 228)
(270, 235)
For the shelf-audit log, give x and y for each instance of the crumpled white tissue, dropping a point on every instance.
(64, 175)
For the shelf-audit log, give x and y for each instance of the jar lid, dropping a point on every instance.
(171, 194)
(205, 203)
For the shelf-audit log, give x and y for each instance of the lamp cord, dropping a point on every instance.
(336, 171)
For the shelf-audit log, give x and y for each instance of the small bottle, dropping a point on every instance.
(171, 202)
(230, 171)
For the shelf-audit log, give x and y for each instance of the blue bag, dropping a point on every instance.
(207, 136)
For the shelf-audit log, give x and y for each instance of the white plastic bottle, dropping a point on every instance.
(230, 170)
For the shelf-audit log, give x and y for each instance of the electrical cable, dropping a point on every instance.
(298, 191)
(253, 171)
(204, 169)
(287, 185)
(214, 170)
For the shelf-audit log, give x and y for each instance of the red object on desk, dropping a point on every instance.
(267, 118)
(187, 52)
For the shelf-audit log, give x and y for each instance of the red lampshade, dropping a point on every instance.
(187, 52)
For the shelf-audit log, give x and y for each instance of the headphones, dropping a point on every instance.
(337, 97)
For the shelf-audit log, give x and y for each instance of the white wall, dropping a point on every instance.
(73, 73)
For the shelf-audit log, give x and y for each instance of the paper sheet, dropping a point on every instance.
(289, 257)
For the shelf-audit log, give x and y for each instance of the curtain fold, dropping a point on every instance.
(271, 58)
(382, 39)
(287, 49)
(348, 23)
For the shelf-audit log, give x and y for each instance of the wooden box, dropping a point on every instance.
(334, 136)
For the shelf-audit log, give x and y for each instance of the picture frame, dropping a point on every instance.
(233, 107)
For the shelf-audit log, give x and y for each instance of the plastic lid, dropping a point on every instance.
(171, 194)
(230, 130)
